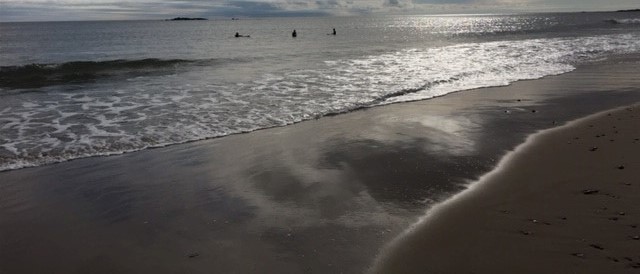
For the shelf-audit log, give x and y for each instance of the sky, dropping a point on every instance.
(70, 10)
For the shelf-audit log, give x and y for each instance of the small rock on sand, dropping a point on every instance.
(596, 246)
(579, 255)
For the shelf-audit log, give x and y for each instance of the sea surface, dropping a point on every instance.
(77, 89)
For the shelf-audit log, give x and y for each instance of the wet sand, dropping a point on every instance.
(566, 201)
(322, 196)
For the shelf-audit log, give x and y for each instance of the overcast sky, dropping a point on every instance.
(62, 10)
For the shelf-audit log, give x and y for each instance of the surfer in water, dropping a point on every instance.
(334, 31)
(238, 35)
(294, 34)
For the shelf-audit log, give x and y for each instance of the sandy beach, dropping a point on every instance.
(563, 202)
(329, 195)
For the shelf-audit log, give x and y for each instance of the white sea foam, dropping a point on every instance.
(112, 118)
(626, 21)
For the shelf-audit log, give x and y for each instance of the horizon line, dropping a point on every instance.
(298, 15)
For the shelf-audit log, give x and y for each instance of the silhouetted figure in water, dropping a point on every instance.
(334, 31)
(238, 35)
(294, 34)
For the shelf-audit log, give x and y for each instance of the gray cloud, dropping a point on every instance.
(260, 8)
(392, 3)
(398, 4)
(445, 1)
(329, 4)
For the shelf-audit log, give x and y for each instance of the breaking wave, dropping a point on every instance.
(624, 21)
(41, 75)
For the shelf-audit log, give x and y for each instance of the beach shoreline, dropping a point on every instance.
(562, 202)
(321, 196)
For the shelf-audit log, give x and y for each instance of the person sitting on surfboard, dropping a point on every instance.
(334, 31)
(294, 34)
(238, 35)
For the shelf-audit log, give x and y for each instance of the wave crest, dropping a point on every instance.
(624, 21)
(41, 75)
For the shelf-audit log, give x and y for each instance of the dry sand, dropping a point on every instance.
(566, 201)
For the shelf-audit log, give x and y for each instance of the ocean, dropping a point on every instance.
(70, 90)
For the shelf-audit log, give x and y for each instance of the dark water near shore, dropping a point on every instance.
(76, 89)
(321, 196)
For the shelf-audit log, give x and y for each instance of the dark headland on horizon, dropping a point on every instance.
(186, 19)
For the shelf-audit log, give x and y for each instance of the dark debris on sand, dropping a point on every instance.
(590, 191)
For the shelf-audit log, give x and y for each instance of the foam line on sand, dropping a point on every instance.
(564, 201)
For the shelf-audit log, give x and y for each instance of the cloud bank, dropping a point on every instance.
(57, 10)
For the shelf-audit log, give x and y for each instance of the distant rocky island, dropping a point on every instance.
(634, 10)
(185, 19)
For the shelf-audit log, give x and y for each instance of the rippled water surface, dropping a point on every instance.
(77, 89)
